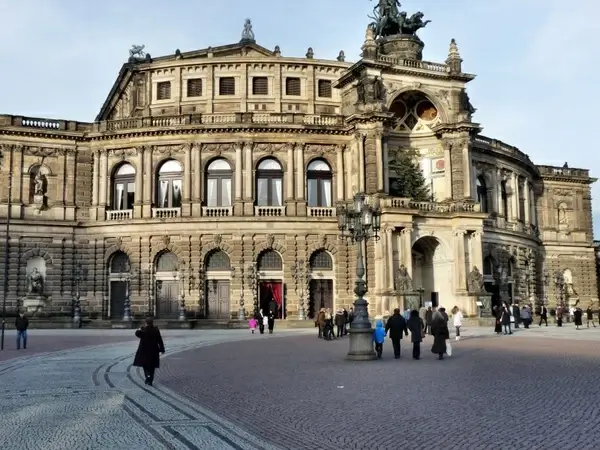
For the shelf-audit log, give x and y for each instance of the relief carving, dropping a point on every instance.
(123, 152)
(320, 150)
(43, 152)
(169, 149)
(270, 240)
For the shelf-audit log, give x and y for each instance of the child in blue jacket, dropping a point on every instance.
(378, 338)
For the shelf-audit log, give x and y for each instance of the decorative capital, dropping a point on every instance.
(459, 232)
(405, 231)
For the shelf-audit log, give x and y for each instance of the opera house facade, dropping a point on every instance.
(208, 184)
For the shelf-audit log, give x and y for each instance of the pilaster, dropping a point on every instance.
(249, 179)
(186, 205)
(139, 184)
(300, 182)
(406, 249)
(238, 204)
(102, 204)
(196, 151)
(148, 186)
(459, 260)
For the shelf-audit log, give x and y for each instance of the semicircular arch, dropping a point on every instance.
(157, 250)
(207, 249)
(33, 252)
(315, 252)
(110, 251)
(425, 92)
(39, 167)
(265, 247)
(441, 242)
(327, 246)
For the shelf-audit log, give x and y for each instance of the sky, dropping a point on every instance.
(536, 61)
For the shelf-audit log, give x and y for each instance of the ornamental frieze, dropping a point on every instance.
(122, 152)
(46, 152)
(319, 150)
(218, 148)
(270, 148)
(169, 149)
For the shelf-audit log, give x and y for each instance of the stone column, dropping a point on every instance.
(340, 181)
(290, 174)
(514, 203)
(467, 165)
(148, 183)
(139, 183)
(389, 239)
(459, 260)
(300, 181)
(349, 178)
(103, 185)
(460, 164)
(379, 160)
(197, 181)
(187, 182)
(406, 249)
(527, 206)
(360, 138)
(476, 251)
(95, 179)
(386, 166)
(447, 170)
(20, 178)
(249, 178)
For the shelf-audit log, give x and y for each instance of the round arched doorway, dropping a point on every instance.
(320, 265)
(270, 267)
(167, 287)
(432, 271)
(217, 289)
(119, 272)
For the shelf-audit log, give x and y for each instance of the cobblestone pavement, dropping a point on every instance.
(529, 390)
(92, 398)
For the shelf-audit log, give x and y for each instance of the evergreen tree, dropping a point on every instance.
(409, 181)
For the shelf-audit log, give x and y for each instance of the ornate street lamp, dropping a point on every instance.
(6, 242)
(253, 277)
(182, 273)
(359, 222)
(79, 274)
(300, 276)
(127, 304)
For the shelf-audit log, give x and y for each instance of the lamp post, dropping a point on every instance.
(127, 303)
(181, 273)
(299, 273)
(201, 291)
(79, 275)
(359, 223)
(253, 278)
(559, 284)
(6, 245)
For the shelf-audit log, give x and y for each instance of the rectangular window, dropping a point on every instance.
(227, 86)
(260, 86)
(163, 90)
(292, 86)
(194, 87)
(324, 89)
(124, 196)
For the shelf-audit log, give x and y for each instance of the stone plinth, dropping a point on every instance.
(402, 46)
(361, 345)
(34, 304)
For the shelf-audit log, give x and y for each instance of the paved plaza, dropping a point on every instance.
(232, 390)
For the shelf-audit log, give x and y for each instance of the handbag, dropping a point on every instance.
(448, 348)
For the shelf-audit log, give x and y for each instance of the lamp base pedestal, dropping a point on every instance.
(361, 345)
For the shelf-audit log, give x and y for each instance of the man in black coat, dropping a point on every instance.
(21, 325)
(396, 325)
(272, 314)
(150, 346)
(543, 315)
(516, 312)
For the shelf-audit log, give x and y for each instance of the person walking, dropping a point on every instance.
(416, 325)
(379, 338)
(526, 316)
(21, 325)
(516, 312)
(578, 318)
(543, 315)
(150, 346)
(396, 325)
(457, 318)
(590, 316)
(340, 321)
(273, 309)
(320, 323)
(428, 318)
(506, 319)
(439, 329)
(261, 319)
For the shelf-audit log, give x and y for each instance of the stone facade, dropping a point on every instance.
(205, 167)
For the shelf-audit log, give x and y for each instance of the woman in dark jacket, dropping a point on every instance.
(506, 314)
(151, 344)
(439, 329)
(416, 327)
(578, 316)
(497, 312)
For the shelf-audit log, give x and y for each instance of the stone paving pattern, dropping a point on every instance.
(292, 391)
(494, 393)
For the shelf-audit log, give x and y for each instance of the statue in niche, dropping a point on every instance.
(39, 182)
(403, 279)
(562, 215)
(35, 282)
(475, 281)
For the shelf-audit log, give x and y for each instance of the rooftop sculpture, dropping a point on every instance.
(389, 20)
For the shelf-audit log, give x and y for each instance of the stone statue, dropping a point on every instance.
(35, 282)
(465, 105)
(38, 184)
(403, 280)
(562, 215)
(370, 90)
(247, 33)
(475, 281)
(388, 20)
(137, 51)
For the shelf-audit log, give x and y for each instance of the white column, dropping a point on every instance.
(406, 249)
(477, 251)
(340, 181)
(299, 171)
(447, 170)
(148, 176)
(249, 176)
(103, 177)
(515, 197)
(289, 182)
(96, 178)
(348, 173)
(197, 154)
(527, 200)
(379, 156)
(238, 171)
(187, 174)
(468, 170)
(532, 212)
(386, 166)
(361, 161)
(389, 262)
(459, 259)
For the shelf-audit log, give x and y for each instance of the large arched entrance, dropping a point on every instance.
(119, 272)
(167, 287)
(217, 269)
(432, 270)
(270, 266)
(320, 267)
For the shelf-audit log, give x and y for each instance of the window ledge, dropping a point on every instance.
(320, 211)
(217, 211)
(269, 211)
(121, 214)
(166, 213)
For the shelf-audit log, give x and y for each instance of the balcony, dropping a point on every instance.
(269, 211)
(166, 213)
(123, 214)
(320, 211)
(432, 207)
(217, 211)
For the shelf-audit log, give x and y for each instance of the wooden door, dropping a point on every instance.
(118, 291)
(320, 296)
(218, 299)
(167, 299)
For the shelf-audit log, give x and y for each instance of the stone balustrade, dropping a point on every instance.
(431, 207)
(422, 65)
(320, 211)
(563, 172)
(499, 223)
(269, 211)
(123, 214)
(166, 213)
(217, 211)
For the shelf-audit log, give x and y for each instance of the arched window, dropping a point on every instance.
(218, 183)
(321, 260)
(217, 260)
(119, 263)
(167, 262)
(169, 185)
(269, 183)
(488, 266)
(504, 196)
(482, 194)
(269, 260)
(123, 190)
(318, 175)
